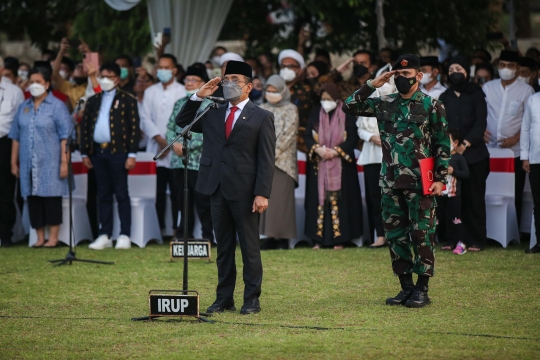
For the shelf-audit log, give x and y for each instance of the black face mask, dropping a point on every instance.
(456, 78)
(404, 84)
(360, 70)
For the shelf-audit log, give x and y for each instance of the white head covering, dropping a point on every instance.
(229, 56)
(293, 54)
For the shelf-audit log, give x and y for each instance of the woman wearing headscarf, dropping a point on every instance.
(466, 110)
(278, 222)
(40, 130)
(333, 199)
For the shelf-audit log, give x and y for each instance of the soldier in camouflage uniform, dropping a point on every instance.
(412, 126)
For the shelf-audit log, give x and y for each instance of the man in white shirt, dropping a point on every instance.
(430, 85)
(10, 99)
(506, 98)
(530, 155)
(157, 107)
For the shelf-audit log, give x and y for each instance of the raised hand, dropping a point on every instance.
(209, 88)
(383, 79)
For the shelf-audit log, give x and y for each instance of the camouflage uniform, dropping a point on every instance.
(410, 129)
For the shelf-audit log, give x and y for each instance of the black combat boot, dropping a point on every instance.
(407, 286)
(419, 297)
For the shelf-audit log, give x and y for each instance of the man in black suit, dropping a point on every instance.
(109, 141)
(237, 168)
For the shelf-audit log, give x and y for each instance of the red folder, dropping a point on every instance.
(426, 171)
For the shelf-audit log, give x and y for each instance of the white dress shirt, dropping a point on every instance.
(157, 107)
(11, 97)
(505, 110)
(530, 130)
(435, 91)
(240, 107)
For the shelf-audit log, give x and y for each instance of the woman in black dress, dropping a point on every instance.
(466, 110)
(333, 200)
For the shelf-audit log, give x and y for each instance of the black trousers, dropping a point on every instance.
(91, 203)
(196, 202)
(112, 179)
(473, 209)
(534, 179)
(373, 199)
(44, 211)
(450, 227)
(164, 177)
(519, 185)
(8, 213)
(231, 218)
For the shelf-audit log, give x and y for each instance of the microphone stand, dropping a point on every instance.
(71, 256)
(186, 136)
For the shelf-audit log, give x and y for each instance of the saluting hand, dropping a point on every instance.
(383, 79)
(209, 88)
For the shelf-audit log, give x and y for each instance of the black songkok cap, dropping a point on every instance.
(195, 71)
(509, 55)
(429, 61)
(238, 68)
(407, 61)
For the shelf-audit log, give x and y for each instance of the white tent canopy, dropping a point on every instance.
(195, 24)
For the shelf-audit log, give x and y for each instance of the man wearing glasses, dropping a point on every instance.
(506, 98)
(236, 171)
(109, 141)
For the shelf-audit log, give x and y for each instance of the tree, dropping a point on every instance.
(346, 25)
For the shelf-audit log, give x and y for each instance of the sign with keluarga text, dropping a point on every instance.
(174, 303)
(195, 250)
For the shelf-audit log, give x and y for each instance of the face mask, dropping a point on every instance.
(210, 73)
(273, 98)
(328, 105)
(426, 79)
(287, 74)
(507, 74)
(23, 74)
(124, 73)
(524, 79)
(164, 75)
(360, 70)
(216, 59)
(80, 80)
(404, 84)
(232, 91)
(456, 78)
(189, 93)
(106, 84)
(36, 89)
(255, 94)
(7, 80)
(64, 74)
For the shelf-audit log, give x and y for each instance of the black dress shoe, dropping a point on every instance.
(419, 298)
(220, 305)
(5, 243)
(402, 297)
(251, 306)
(534, 250)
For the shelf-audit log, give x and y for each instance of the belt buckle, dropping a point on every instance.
(104, 145)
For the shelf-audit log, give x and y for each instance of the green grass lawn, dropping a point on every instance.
(484, 306)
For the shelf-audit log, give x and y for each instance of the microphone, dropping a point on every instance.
(217, 99)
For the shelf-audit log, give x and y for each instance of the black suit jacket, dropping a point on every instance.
(124, 123)
(243, 164)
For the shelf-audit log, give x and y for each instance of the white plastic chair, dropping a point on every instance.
(142, 191)
(501, 215)
(81, 223)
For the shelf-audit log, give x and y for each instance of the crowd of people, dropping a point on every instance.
(116, 110)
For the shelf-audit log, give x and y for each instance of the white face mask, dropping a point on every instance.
(328, 105)
(287, 74)
(7, 80)
(524, 79)
(426, 78)
(273, 98)
(216, 59)
(36, 89)
(23, 74)
(64, 74)
(189, 93)
(507, 74)
(106, 84)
